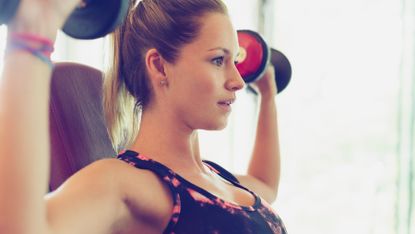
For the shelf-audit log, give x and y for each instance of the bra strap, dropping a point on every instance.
(222, 172)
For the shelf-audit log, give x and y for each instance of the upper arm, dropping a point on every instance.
(257, 186)
(88, 202)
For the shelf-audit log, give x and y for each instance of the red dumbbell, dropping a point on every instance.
(254, 56)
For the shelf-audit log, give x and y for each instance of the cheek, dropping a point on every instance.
(198, 83)
(197, 99)
(201, 85)
(199, 96)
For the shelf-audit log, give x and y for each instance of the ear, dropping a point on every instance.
(155, 66)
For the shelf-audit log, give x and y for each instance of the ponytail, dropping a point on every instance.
(121, 112)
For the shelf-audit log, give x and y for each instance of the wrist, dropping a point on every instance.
(39, 46)
(25, 27)
(267, 103)
(34, 21)
(267, 97)
(268, 92)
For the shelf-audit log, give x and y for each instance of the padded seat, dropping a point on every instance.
(77, 125)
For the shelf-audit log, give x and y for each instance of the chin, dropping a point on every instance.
(216, 126)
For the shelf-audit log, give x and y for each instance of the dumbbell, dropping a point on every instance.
(90, 20)
(7, 10)
(254, 57)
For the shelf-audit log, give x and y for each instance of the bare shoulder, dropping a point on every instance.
(118, 196)
(99, 175)
(91, 192)
(145, 194)
(135, 186)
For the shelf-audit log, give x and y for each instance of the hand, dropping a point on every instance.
(266, 85)
(42, 17)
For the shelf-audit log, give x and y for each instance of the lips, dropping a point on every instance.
(226, 104)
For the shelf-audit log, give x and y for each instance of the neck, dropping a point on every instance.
(161, 139)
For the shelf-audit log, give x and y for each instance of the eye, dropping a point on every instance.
(236, 62)
(218, 61)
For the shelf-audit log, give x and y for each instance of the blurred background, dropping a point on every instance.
(347, 119)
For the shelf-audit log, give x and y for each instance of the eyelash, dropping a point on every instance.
(221, 61)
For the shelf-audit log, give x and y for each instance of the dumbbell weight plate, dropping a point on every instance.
(7, 10)
(282, 69)
(253, 56)
(96, 18)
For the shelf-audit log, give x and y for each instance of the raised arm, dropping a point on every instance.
(24, 105)
(264, 167)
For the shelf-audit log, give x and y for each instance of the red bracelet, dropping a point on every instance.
(32, 38)
(38, 46)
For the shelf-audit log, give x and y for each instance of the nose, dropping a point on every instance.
(234, 81)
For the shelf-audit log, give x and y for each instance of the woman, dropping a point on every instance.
(173, 64)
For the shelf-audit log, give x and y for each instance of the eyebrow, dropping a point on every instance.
(226, 51)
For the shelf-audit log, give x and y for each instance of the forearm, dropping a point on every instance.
(265, 161)
(24, 142)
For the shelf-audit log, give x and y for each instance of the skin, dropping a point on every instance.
(202, 78)
(108, 196)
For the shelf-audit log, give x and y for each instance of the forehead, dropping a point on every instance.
(216, 31)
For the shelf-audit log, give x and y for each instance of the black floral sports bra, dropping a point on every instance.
(196, 211)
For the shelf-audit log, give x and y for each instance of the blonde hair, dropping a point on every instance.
(165, 25)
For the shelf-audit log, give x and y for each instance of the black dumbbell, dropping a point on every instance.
(254, 57)
(90, 20)
(7, 10)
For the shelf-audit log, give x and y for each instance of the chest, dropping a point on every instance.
(218, 189)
